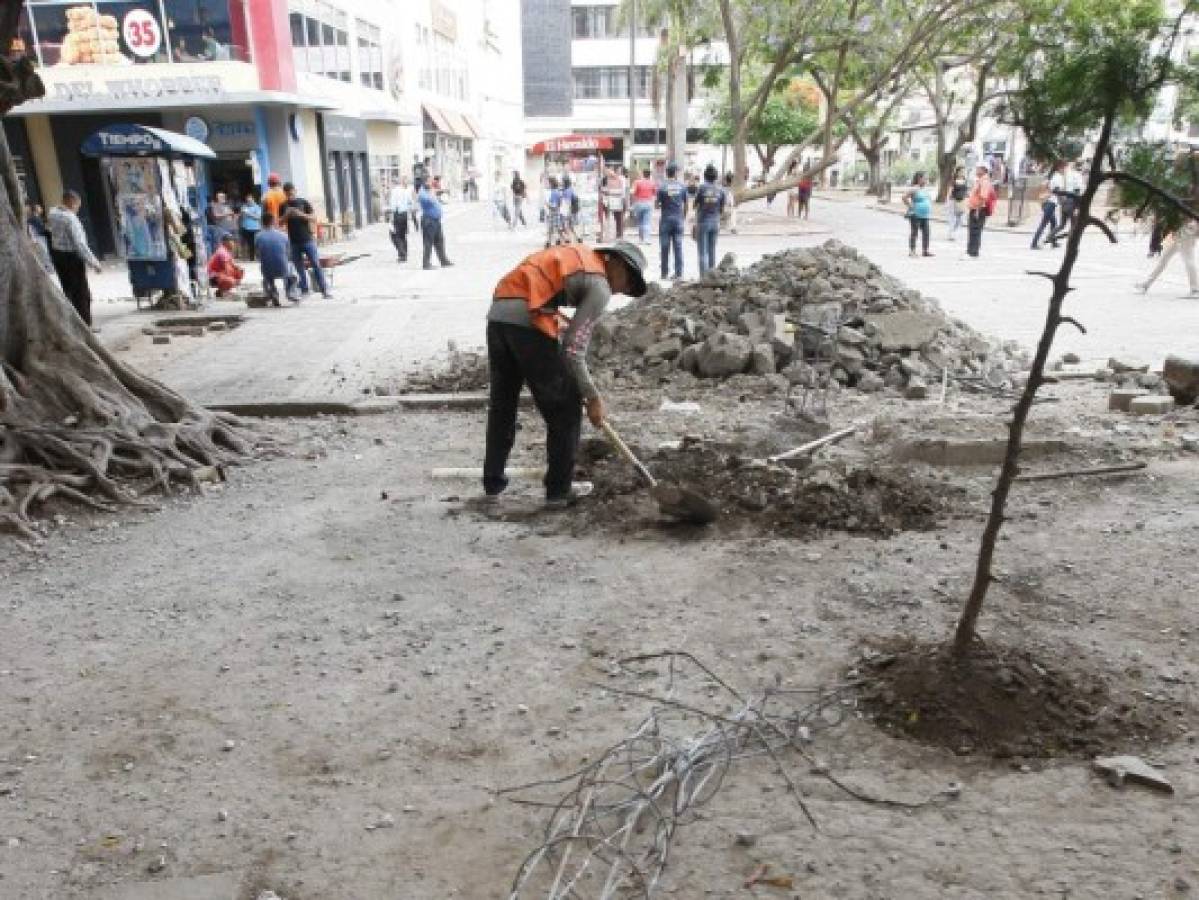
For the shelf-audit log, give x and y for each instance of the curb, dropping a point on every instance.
(306, 409)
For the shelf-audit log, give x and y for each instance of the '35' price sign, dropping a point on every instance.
(142, 33)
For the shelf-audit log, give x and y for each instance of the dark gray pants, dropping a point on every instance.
(434, 239)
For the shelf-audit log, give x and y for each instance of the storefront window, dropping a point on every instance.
(125, 32)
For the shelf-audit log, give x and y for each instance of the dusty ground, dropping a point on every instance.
(390, 660)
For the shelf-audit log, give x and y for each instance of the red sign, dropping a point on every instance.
(574, 143)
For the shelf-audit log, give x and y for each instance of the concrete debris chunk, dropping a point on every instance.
(1181, 374)
(1151, 405)
(1119, 769)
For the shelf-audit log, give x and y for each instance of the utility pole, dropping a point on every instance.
(632, 82)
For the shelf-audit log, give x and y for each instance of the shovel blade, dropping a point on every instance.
(684, 504)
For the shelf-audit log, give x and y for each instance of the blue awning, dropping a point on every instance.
(143, 140)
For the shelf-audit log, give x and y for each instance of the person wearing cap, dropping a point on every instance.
(275, 197)
(530, 341)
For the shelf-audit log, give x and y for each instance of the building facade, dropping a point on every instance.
(330, 94)
(577, 56)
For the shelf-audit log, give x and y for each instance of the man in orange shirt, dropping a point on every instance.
(275, 197)
(223, 273)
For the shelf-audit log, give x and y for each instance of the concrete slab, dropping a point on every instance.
(221, 886)
(1151, 405)
(947, 452)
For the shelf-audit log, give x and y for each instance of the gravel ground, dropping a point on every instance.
(312, 677)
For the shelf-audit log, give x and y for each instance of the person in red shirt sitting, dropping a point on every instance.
(223, 273)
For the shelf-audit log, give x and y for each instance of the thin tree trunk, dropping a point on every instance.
(983, 576)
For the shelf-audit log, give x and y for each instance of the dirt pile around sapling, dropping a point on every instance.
(773, 499)
(801, 316)
(1005, 703)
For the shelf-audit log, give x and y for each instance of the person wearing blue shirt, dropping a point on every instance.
(672, 201)
(920, 210)
(274, 255)
(709, 205)
(249, 223)
(432, 235)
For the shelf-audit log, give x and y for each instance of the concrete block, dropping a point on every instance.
(1182, 378)
(1118, 401)
(161, 339)
(1151, 405)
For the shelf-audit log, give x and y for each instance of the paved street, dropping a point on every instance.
(388, 319)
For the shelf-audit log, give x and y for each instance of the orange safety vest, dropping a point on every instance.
(542, 276)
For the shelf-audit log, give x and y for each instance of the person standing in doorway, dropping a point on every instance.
(709, 204)
(672, 201)
(399, 205)
(432, 234)
(920, 209)
(644, 193)
(955, 203)
(981, 204)
(71, 255)
(299, 218)
(249, 222)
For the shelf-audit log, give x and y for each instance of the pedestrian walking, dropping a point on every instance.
(499, 201)
(274, 258)
(1051, 192)
(728, 216)
(709, 204)
(249, 223)
(981, 204)
(919, 204)
(672, 201)
(1180, 243)
(804, 195)
(432, 230)
(71, 255)
(520, 194)
(643, 195)
(299, 217)
(526, 344)
(399, 205)
(955, 202)
(1068, 199)
(792, 193)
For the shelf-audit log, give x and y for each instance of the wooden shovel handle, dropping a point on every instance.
(619, 444)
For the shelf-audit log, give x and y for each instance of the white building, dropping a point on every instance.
(576, 81)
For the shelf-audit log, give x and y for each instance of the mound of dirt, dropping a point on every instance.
(801, 316)
(774, 499)
(1006, 703)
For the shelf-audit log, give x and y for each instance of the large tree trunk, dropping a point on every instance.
(74, 421)
(676, 108)
(874, 160)
(946, 164)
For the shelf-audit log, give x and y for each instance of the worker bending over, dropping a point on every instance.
(530, 342)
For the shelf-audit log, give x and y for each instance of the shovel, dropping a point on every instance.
(674, 500)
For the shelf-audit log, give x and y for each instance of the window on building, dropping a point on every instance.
(370, 55)
(120, 32)
(321, 40)
(611, 82)
(602, 21)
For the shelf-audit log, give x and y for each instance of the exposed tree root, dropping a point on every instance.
(75, 422)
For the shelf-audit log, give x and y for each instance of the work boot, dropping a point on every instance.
(578, 491)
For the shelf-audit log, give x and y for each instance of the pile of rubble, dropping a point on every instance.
(801, 316)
